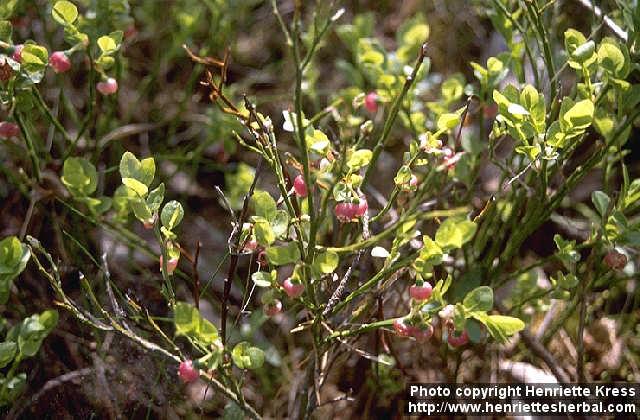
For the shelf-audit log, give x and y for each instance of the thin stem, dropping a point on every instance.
(35, 161)
(47, 112)
(393, 113)
(302, 142)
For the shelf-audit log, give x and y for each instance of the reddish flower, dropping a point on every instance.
(457, 340)
(420, 292)
(400, 327)
(262, 258)
(450, 158)
(59, 62)
(251, 245)
(345, 211)
(363, 206)
(17, 53)
(299, 186)
(371, 102)
(421, 333)
(293, 290)
(108, 87)
(172, 264)
(8, 129)
(273, 308)
(615, 260)
(187, 372)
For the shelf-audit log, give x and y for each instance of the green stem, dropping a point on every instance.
(47, 112)
(35, 161)
(393, 113)
(302, 141)
(361, 329)
(163, 267)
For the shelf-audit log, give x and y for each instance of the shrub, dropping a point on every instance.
(330, 248)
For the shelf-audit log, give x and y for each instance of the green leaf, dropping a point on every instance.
(633, 193)
(359, 158)
(500, 327)
(33, 331)
(34, 58)
(14, 256)
(327, 261)
(98, 205)
(584, 52)
(580, 115)
(264, 205)
(190, 323)
(280, 224)
(403, 176)
(516, 109)
(79, 176)
(479, 299)
(573, 39)
(468, 281)
(612, 59)
(171, 215)
(430, 255)
(155, 198)
(601, 201)
(8, 350)
(448, 121)
(317, 141)
(141, 210)
(263, 278)
(6, 30)
(15, 386)
(107, 44)
(247, 357)
(143, 171)
(283, 255)
(64, 12)
(136, 186)
(474, 330)
(567, 282)
(506, 324)
(264, 234)
(455, 232)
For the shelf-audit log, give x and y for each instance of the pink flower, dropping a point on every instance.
(450, 158)
(273, 308)
(371, 102)
(400, 327)
(299, 186)
(187, 372)
(262, 258)
(420, 292)
(363, 206)
(108, 87)
(59, 62)
(615, 260)
(172, 264)
(17, 53)
(251, 245)
(421, 333)
(293, 290)
(345, 211)
(457, 340)
(411, 185)
(8, 129)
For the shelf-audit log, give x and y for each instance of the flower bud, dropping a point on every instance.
(187, 372)
(8, 129)
(59, 62)
(108, 87)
